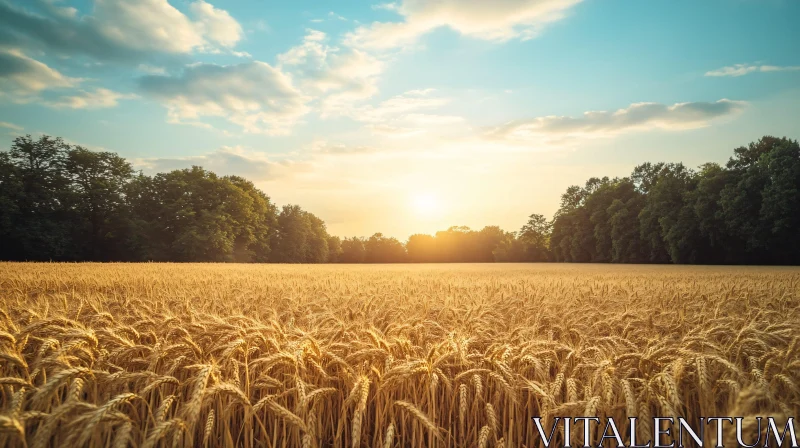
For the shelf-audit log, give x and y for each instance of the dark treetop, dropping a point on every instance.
(66, 203)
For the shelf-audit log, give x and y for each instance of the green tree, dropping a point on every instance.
(195, 215)
(317, 249)
(301, 237)
(99, 218)
(35, 182)
(759, 204)
(334, 249)
(353, 250)
(486, 241)
(626, 242)
(510, 249)
(65, 202)
(11, 192)
(422, 249)
(535, 238)
(260, 221)
(572, 237)
(701, 223)
(381, 249)
(780, 207)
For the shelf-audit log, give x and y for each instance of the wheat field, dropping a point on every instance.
(383, 356)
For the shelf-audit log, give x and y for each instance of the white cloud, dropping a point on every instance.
(636, 117)
(406, 103)
(216, 24)
(227, 160)
(242, 54)
(339, 78)
(408, 114)
(261, 25)
(22, 77)
(253, 95)
(308, 56)
(98, 99)
(151, 70)
(327, 68)
(746, 69)
(121, 30)
(12, 126)
(393, 131)
(325, 147)
(352, 77)
(315, 36)
(147, 25)
(405, 115)
(491, 20)
(432, 119)
(63, 11)
(15, 129)
(386, 7)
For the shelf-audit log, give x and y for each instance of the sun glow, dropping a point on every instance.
(425, 204)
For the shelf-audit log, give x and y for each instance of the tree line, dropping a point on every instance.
(63, 202)
(745, 212)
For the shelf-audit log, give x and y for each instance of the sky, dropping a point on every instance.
(405, 117)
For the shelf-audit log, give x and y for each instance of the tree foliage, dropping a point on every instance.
(747, 212)
(65, 202)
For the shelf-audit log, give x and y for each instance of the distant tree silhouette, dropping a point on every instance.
(381, 249)
(353, 250)
(65, 202)
(334, 249)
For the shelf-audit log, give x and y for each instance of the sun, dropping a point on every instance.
(425, 204)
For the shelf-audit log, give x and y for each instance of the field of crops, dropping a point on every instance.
(384, 356)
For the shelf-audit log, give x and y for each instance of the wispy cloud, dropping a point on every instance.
(393, 131)
(409, 114)
(15, 129)
(498, 21)
(746, 69)
(227, 160)
(12, 126)
(598, 124)
(398, 106)
(254, 95)
(151, 69)
(120, 30)
(260, 25)
(24, 80)
(338, 77)
(331, 148)
(99, 98)
(432, 119)
(386, 7)
(22, 77)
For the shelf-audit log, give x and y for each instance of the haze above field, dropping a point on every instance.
(403, 117)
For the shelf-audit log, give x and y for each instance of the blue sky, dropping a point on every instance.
(410, 116)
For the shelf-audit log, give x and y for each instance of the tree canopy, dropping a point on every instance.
(64, 202)
(747, 212)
